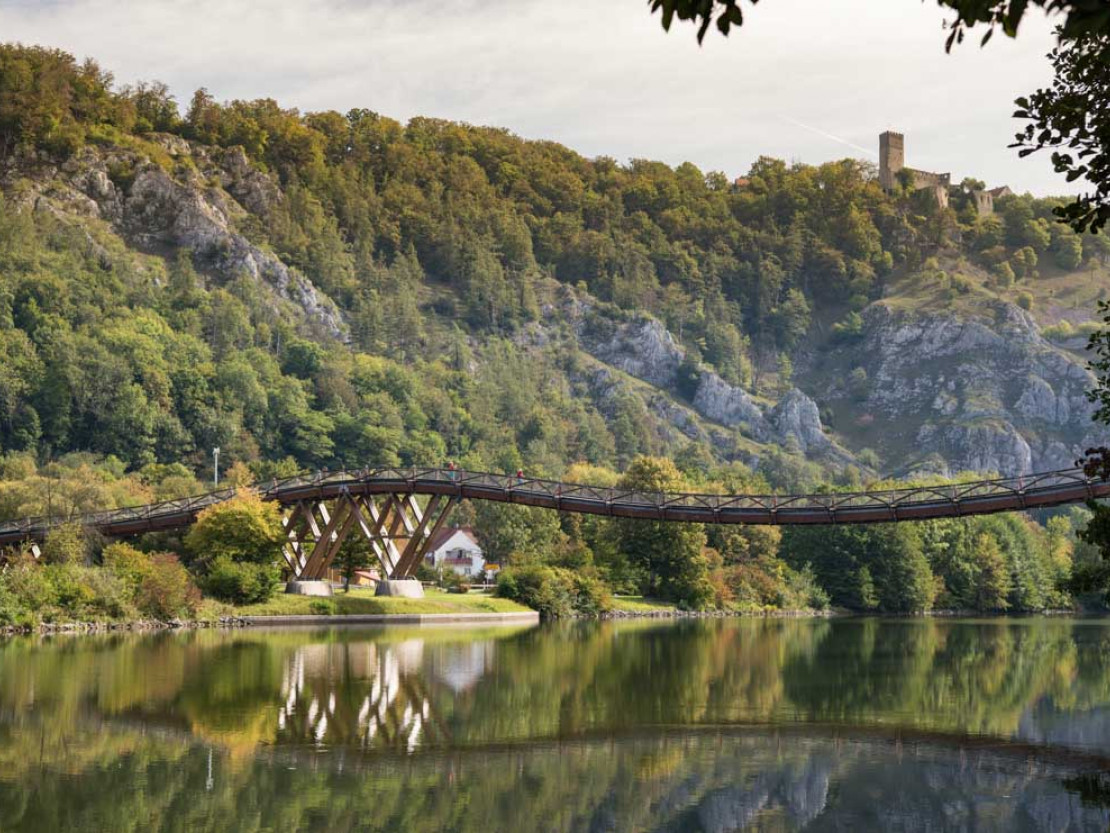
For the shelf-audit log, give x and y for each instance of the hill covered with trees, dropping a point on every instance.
(322, 289)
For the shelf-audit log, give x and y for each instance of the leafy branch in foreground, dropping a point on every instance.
(1083, 17)
(1072, 115)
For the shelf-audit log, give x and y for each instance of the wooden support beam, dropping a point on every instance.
(293, 548)
(379, 518)
(348, 510)
(367, 530)
(431, 521)
(324, 542)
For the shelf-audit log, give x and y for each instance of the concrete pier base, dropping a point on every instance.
(309, 588)
(408, 588)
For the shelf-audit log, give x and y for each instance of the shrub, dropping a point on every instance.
(96, 594)
(555, 592)
(11, 611)
(323, 607)
(244, 528)
(65, 544)
(239, 582)
(591, 595)
(1025, 301)
(166, 590)
(537, 587)
(804, 589)
(752, 586)
(454, 583)
(126, 562)
(158, 584)
(30, 584)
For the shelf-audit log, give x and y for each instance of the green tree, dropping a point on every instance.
(993, 583)
(670, 554)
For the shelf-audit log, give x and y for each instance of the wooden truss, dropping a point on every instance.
(397, 527)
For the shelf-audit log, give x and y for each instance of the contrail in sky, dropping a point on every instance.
(821, 132)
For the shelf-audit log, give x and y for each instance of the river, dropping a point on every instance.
(709, 725)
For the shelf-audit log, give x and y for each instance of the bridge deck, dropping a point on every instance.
(978, 498)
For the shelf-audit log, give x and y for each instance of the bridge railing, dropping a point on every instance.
(553, 492)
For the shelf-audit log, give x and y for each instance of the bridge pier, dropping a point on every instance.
(397, 527)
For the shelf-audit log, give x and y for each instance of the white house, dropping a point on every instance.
(457, 549)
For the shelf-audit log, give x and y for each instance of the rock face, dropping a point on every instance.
(796, 416)
(721, 402)
(160, 210)
(645, 349)
(157, 211)
(955, 392)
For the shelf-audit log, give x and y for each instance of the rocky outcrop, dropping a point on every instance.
(721, 402)
(643, 348)
(796, 416)
(159, 211)
(983, 392)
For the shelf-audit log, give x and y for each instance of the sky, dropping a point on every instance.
(802, 80)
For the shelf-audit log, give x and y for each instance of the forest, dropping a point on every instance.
(124, 361)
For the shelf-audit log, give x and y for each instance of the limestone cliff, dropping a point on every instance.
(950, 391)
(198, 204)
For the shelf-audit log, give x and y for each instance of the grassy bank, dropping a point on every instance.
(641, 605)
(363, 601)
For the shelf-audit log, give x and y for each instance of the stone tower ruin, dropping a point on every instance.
(892, 158)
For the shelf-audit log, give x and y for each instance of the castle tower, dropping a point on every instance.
(892, 158)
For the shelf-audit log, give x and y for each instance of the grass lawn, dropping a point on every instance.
(361, 600)
(638, 604)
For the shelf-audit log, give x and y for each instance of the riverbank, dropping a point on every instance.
(360, 606)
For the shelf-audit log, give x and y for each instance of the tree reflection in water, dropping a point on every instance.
(777, 725)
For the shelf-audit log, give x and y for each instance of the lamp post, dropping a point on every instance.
(216, 466)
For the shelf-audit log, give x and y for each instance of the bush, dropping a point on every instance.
(89, 593)
(245, 528)
(65, 544)
(30, 584)
(454, 583)
(240, 583)
(323, 607)
(1025, 301)
(555, 592)
(158, 584)
(167, 590)
(591, 595)
(11, 611)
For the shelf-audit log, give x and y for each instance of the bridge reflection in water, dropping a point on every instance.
(845, 724)
(398, 511)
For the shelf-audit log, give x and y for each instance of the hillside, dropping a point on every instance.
(340, 290)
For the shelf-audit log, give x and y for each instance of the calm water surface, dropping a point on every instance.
(778, 725)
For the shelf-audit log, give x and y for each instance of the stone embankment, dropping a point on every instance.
(674, 613)
(137, 626)
(152, 626)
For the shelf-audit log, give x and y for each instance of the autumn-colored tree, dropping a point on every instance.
(243, 529)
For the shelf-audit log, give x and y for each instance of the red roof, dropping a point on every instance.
(444, 535)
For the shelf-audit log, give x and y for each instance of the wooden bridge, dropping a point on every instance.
(398, 511)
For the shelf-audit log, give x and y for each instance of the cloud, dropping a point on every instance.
(601, 77)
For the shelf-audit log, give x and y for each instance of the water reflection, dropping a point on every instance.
(776, 725)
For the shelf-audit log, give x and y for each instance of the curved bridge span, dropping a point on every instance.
(323, 508)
